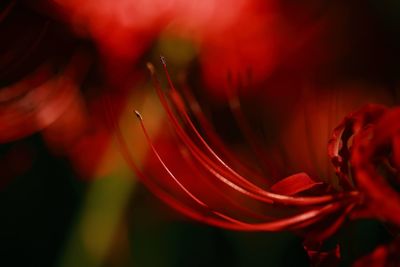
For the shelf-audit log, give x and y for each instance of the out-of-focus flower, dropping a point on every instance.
(39, 82)
(42, 70)
(239, 34)
(37, 101)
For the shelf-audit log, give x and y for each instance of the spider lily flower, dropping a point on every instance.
(199, 177)
(196, 174)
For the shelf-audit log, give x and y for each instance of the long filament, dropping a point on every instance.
(265, 195)
(280, 224)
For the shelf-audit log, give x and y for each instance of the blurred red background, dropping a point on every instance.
(72, 70)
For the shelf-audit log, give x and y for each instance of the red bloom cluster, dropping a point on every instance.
(198, 176)
(365, 147)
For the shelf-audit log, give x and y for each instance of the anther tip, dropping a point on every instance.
(163, 60)
(138, 115)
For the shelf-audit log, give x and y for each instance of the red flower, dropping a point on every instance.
(201, 178)
(197, 175)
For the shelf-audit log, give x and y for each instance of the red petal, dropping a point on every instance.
(294, 184)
